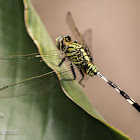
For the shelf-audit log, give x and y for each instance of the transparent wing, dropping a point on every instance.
(88, 41)
(74, 29)
(77, 34)
(38, 85)
(11, 66)
(88, 38)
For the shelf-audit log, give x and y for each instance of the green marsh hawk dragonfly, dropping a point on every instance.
(77, 53)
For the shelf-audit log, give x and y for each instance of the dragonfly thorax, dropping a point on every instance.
(78, 54)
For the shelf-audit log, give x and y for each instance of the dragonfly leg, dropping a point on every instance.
(72, 70)
(82, 77)
(71, 66)
(62, 61)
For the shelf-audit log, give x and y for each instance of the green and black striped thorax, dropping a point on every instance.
(77, 54)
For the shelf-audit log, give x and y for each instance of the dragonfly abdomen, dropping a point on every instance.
(90, 69)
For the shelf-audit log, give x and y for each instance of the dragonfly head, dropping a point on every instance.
(62, 42)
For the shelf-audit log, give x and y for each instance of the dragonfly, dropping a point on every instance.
(77, 53)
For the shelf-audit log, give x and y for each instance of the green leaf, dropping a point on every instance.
(53, 116)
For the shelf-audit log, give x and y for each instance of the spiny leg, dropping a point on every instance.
(82, 76)
(72, 69)
(62, 61)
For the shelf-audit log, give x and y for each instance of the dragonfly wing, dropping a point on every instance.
(38, 85)
(78, 36)
(73, 28)
(31, 86)
(88, 41)
(27, 65)
(88, 38)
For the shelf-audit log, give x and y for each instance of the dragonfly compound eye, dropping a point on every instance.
(62, 42)
(67, 39)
